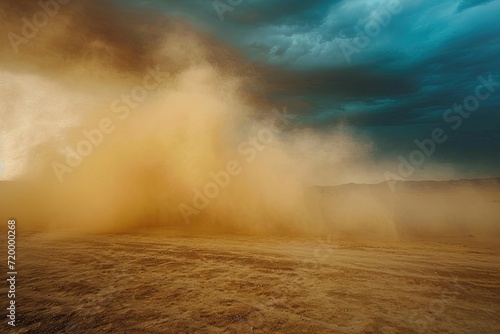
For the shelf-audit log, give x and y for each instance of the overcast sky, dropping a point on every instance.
(389, 69)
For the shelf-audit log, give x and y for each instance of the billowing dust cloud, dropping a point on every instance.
(123, 123)
(119, 121)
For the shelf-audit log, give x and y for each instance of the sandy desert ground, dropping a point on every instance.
(178, 283)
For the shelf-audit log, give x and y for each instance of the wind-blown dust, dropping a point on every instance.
(118, 123)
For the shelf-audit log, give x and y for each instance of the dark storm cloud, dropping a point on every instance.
(106, 33)
(399, 87)
(426, 57)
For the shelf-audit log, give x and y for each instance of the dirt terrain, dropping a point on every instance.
(178, 283)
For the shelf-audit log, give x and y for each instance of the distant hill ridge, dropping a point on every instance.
(489, 184)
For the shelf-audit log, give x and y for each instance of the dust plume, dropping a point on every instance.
(118, 121)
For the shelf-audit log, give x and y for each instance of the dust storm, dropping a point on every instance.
(113, 121)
